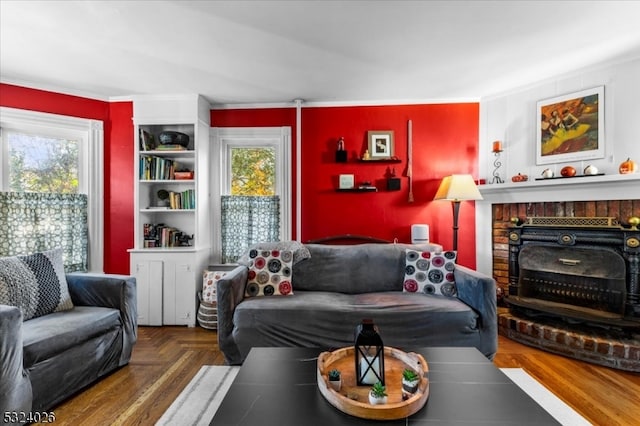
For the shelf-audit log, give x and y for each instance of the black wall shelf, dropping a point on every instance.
(357, 190)
(381, 161)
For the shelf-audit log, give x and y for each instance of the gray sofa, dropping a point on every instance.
(46, 359)
(336, 287)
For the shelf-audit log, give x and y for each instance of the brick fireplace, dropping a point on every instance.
(604, 345)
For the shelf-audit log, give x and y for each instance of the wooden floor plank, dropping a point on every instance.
(165, 359)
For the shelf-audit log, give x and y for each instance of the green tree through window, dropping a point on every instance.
(43, 164)
(253, 171)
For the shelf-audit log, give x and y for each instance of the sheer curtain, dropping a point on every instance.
(32, 222)
(247, 220)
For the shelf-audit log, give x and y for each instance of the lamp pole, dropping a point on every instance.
(455, 205)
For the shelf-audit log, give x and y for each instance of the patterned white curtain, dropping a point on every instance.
(33, 222)
(248, 220)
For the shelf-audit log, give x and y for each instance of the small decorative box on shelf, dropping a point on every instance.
(183, 175)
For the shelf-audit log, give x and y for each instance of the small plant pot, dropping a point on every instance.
(410, 386)
(335, 384)
(375, 400)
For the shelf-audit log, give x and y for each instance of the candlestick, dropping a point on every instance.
(497, 146)
(496, 167)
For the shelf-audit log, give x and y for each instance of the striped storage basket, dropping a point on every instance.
(208, 314)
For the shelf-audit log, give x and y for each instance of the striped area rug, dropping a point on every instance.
(198, 402)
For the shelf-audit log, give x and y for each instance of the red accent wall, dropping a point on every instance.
(445, 141)
(118, 191)
(55, 103)
(118, 154)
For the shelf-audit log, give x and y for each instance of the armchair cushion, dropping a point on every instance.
(35, 283)
(49, 336)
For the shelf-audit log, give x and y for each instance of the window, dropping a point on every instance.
(252, 191)
(48, 153)
(253, 171)
(38, 163)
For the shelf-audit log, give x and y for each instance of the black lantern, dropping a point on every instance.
(369, 354)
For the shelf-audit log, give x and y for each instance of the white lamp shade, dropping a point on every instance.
(458, 188)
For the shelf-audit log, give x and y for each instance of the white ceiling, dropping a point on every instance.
(318, 51)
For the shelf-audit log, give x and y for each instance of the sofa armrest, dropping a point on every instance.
(15, 387)
(109, 291)
(229, 293)
(479, 292)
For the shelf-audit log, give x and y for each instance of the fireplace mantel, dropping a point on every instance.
(588, 188)
(591, 188)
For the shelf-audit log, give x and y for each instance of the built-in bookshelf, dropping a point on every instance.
(167, 188)
(172, 224)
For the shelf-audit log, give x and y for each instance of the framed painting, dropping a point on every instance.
(380, 144)
(571, 127)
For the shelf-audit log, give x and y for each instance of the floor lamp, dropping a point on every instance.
(456, 188)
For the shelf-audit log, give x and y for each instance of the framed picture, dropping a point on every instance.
(380, 144)
(571, 127)
(346, 182)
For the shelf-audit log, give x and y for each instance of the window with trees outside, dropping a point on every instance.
(254, 189)
(51, 187)
(40, 163)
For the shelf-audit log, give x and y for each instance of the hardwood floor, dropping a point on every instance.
(166, 358)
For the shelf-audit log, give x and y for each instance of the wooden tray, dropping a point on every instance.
(395, 361)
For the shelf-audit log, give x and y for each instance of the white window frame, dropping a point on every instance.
(90, 134)
(223, 139)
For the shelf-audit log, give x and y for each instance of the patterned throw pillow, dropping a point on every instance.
(209, 282)
(35, 283)
(430, 272)
(269, 273)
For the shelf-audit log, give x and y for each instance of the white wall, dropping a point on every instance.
(511, 118)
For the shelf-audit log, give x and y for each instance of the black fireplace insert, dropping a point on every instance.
(580, 269)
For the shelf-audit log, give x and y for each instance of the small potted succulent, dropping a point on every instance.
(334, 379)
(410, 380)
(378, 394)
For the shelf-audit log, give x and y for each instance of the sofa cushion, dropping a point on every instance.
(328, 320)
(363, 268)
(49, 335)
(270, 273)
(428, 272)
(35, 283)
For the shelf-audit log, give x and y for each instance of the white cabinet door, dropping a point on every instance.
(179, 292)
(148, 276)
(168, 283)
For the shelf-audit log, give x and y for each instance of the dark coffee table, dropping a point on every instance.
(277, 386)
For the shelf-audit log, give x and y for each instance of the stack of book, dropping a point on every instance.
(157, 168)
(160, 235)
(182, 200)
